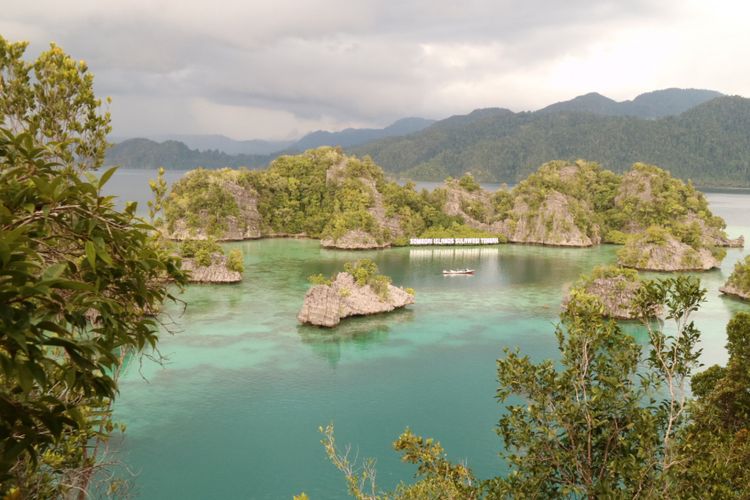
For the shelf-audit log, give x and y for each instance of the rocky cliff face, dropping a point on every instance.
(327, 305)
(388, 228)
(552, 223)
(735, 291)
(616, 295)
(217, 272)
(247, 225)
(665, 254)
(646, 189)
(538, 214)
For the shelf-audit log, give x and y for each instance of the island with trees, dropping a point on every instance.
(205, 261)
(738, 284)
(357, 291)
(615, 288)
(664, 224)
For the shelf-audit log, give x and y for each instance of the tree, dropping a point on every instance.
(53, 99)
(80, 282)
(581, 430)
(606, 424)
(606, 421)
(714, 448)
(438, 477)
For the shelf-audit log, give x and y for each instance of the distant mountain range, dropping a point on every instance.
(217, 142)
(697, 134)
(351, 137)
(708, 143)
(145, 153)
(208, 148)
(656, 104)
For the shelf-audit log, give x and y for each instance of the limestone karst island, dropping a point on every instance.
(374, 250)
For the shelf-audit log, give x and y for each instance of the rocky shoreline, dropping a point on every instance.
(326, 305)
(735, 292)
(216, 272)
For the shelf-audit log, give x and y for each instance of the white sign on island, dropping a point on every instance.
(453, 241)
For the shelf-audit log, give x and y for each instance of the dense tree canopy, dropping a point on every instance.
(53, 99)
(706, 144)
(80, 281)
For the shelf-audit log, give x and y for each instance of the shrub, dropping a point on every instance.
(616, 237)
(468, 183)
(362, 270)
(319, 279)
(191, 248)
(236, 261)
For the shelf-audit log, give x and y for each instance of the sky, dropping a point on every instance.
(277, 69)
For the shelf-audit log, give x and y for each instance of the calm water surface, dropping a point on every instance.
(234, 412)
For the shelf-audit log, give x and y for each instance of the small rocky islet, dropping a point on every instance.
(662, 223)
(358, 291)
(205, 261)
(615, 288)
(738, 284)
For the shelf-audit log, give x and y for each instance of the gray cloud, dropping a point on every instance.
(263, 69)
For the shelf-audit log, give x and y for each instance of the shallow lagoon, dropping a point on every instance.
(234, 412)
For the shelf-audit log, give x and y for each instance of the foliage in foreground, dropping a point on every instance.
(606, 421)
(79, 280)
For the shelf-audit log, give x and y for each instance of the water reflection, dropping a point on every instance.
(358, 333)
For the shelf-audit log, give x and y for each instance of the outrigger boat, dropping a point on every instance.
(449, 272)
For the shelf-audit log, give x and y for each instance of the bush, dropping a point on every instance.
(363, 270)
(236, 261)
(319, 279)
(191, 248)
(468, 183)
(616, 237)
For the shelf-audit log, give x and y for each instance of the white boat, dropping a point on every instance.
(449, 272)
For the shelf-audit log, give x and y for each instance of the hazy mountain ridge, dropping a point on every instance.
(185, 151)
(145, 153)
(708, 143)
(656, 104)
(351, 137)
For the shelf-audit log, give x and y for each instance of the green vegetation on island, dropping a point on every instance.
(357, 291)
(203, 252)
(738, 283)
(320, 194)
(347, 202)
(615, 288)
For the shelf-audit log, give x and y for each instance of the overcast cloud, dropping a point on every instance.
(278, 69)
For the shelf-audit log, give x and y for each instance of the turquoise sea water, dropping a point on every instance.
(234, 412)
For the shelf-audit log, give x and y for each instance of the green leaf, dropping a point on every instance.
(106, 175)
(54, 271)
(91, 254)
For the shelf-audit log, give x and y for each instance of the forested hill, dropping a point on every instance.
(709, 143)
(145, 153)
(656, 104)
(355, 136)
(174, 152)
